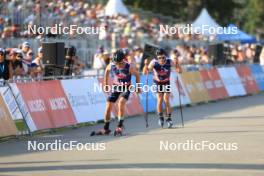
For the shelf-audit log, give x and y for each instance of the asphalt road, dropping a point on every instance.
(237, 122)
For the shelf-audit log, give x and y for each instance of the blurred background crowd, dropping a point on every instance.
(129, 32)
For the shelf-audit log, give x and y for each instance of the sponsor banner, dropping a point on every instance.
(152, 99)
(195, 87)
(11, 103)
(47, 104)
(213, 84)
(17, 109)
(258, 73)
(23, 108)
(209, 85)
(87, 99)
(232, 81)
(132, 107)
(176, 88)
(247, 79)
(7, 125)
(219, 91)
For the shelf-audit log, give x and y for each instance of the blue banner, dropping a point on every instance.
(152, 100)
(258, 74)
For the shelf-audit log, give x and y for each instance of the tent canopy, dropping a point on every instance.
(114, 7)
(205, 19)
(240, 36)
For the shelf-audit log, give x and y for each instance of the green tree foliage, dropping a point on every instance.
(247, 14)
(254, 16)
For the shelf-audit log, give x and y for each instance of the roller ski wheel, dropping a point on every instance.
(161, 123)
(100, 132)
(118, 131)
(169, 123)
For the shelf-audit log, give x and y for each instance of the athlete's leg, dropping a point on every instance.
(159, 108)
(159, 102)
(166, 98)
(168, 109)
(107, 114)
(121, 111)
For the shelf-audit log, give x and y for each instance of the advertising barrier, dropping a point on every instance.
(219, 91)
(10, 102)
(133, 101)
(7, 125)
(195, 87)
(152, 99)
(247, 79)
(232, 81)
(209, 85)
(23, 107)
(258, 73)
(47, 104)
(87, 100)
(54, 103)
(176, 88)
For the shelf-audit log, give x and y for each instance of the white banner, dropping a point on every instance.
(13, 106)
(87, 101)
(232, 81)
(10, 103)
(174, 97)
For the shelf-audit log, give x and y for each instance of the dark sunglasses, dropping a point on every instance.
(161, 57)
(2, 54)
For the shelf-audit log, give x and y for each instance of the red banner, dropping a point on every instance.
(209, 84)
(219, 91)
(247, 79)
(133, 106)
(47, 104)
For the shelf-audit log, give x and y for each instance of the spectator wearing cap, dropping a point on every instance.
(36, 66)
(16, 63)
(25, 49)
(5, 66)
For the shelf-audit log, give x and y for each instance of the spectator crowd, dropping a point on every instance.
(120, 32)
(21, 61)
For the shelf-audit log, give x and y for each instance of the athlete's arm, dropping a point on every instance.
(145, 68)
(148, 67)
(106, 75)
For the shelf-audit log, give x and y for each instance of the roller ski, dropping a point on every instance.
(169, 123)
(161, 122)
(119, 131)
(102, 132)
